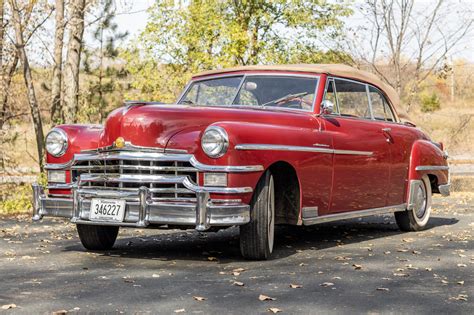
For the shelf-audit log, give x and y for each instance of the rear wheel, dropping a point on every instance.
(417, 218)
(257, 236)
(97, 237)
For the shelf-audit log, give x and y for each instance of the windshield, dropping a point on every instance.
(253, 90)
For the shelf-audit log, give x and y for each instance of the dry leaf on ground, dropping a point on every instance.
(357, 267)
(8, 306)
(199, 298)
(263, 297)
(327, 284)
(274, 310)
(181, 310)
(295, 286)
(238, 283)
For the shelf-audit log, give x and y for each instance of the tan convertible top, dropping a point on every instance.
(338, 70)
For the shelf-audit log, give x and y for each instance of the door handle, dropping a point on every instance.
(386, 133)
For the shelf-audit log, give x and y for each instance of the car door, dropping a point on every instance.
(400, 139)
(361, 167)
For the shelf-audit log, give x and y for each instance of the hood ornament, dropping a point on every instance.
(119, 143)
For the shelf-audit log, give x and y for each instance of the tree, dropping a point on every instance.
(197, 35)
(99, 63)
(56, 86)
(73, 60)
(20, 45)
(412, 37)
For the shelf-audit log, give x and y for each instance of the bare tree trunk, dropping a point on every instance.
(56, 108)
(71, 74)
(6, 82)
(34, 108)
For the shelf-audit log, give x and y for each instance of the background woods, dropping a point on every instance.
(64, 61)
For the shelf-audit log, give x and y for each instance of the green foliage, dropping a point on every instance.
(430, 103)
(102, 73)
(182, 38)
(15, 200)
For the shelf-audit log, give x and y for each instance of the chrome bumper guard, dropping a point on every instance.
(141, 211)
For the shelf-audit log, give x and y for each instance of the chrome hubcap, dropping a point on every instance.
(420, 201)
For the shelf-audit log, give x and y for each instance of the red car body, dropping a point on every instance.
(331, 166)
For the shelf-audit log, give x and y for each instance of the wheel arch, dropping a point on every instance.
(287, 192)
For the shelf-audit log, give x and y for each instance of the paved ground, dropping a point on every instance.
(351, 266)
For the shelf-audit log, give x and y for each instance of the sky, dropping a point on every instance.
(135, 21)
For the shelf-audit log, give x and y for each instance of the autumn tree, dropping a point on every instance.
(183, 38)
(408, 40)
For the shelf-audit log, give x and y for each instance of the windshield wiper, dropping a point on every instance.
(285, 98)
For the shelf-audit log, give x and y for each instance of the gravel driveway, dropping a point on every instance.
(352, 266)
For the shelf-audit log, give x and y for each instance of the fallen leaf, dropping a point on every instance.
(238, 283)
(155, 275)
(327, 284)
(263, 297)
(8, 306)
(383, 289)
(444, 281)
(274, 310)
(211, 258)
(460, 297)
(199, 298)
(181, 310)
(237, 271)
(460, 282)
(428, 269)
(462, 265)
(60, 312)
(295, 286)
(401, 274)
(357, 267)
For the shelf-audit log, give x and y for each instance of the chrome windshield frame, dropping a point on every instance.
(253, 74)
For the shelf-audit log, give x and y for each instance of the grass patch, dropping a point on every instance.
(15, 199)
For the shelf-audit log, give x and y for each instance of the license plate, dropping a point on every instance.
(107, 210)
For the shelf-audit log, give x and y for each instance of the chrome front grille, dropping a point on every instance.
(163, 175)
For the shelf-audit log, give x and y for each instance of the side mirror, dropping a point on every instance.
(327, 107)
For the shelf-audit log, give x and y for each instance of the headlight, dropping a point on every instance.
(215, 141)
(56, 142)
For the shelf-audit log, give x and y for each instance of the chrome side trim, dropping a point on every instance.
(59, 186)
(227, 168)
(352, 152)
(432, 168)
(353, 214)
(276, 147)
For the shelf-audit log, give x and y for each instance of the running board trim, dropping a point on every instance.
(353, 214)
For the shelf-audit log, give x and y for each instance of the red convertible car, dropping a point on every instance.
(251, 146)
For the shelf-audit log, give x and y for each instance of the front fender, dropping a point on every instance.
(428, 159)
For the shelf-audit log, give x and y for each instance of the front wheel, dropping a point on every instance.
(417, 218)
(97, 237)
(257, 236)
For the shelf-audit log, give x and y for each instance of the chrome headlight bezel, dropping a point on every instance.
(218, 136)
(61, 136)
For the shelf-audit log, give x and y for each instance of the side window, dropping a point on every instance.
(331, 95)
(352, 99)
(380, 107)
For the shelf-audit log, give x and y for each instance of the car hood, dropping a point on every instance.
(154, 125)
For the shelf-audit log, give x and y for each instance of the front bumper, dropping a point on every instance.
(143, 211)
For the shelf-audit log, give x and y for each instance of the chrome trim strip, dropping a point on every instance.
(352, 152)
(353, 214)
(273, 147)
(227, 168)
(59, 186)
(414, 184)
(432, 168)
